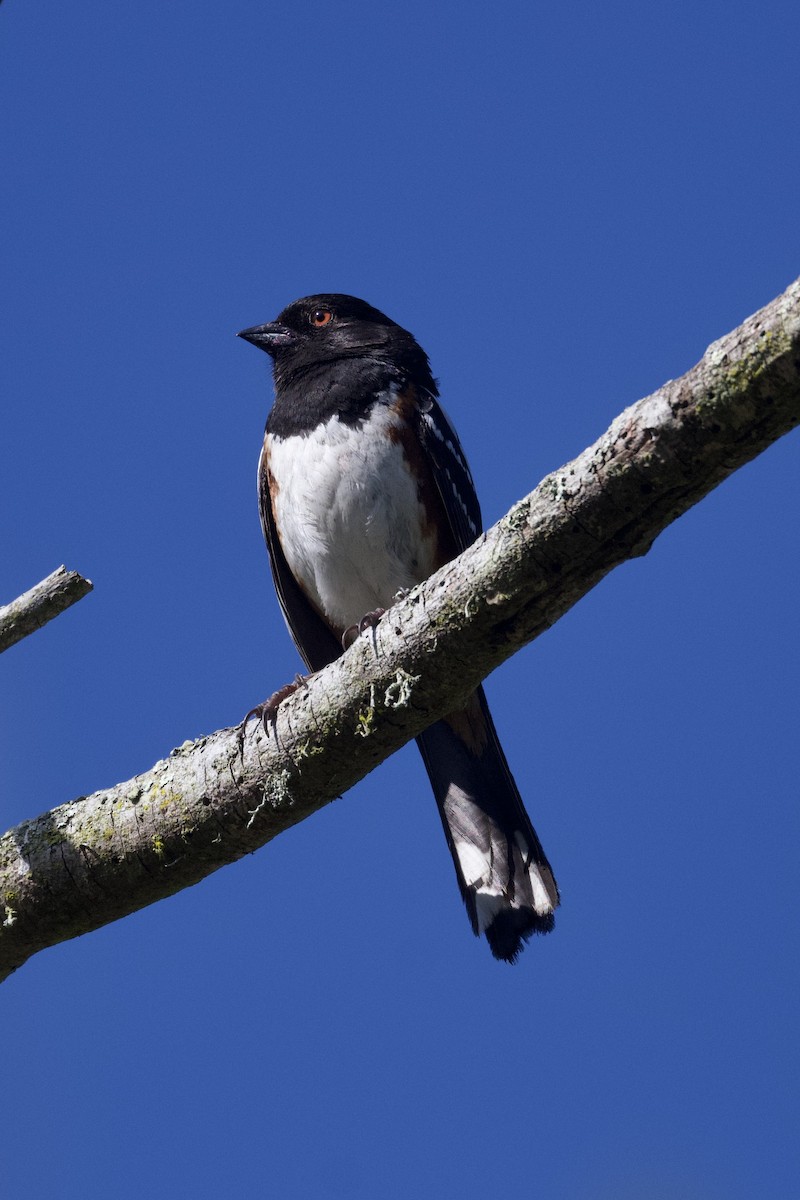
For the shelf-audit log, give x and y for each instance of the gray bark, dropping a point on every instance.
(99, 857)
(36, 607)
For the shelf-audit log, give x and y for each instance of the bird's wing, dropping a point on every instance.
(450, 471)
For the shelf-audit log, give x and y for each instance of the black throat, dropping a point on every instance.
(347, 388)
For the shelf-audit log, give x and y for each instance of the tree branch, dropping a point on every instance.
(35, 608)
(101, 857)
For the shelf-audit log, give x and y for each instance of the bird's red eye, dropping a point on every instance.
(321, 317)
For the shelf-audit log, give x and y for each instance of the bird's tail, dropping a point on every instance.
(504, 876)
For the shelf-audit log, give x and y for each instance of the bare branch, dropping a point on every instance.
(35, 608)
(100, 857)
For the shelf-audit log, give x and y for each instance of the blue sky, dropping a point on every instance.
(566, 204)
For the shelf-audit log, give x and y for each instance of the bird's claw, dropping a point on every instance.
(267, 713)
(368, 621)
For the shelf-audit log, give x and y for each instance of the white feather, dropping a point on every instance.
(350, 516)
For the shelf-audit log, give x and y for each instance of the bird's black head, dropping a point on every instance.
(330, 327)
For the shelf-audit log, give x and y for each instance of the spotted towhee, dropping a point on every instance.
(364, 491)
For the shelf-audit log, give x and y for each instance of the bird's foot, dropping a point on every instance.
(267, 713)
(368, 621)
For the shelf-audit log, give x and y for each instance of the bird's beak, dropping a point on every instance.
(269, 337)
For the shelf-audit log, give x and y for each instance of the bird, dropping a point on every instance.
(364, 491)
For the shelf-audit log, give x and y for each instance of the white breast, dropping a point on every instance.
(349, 515)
